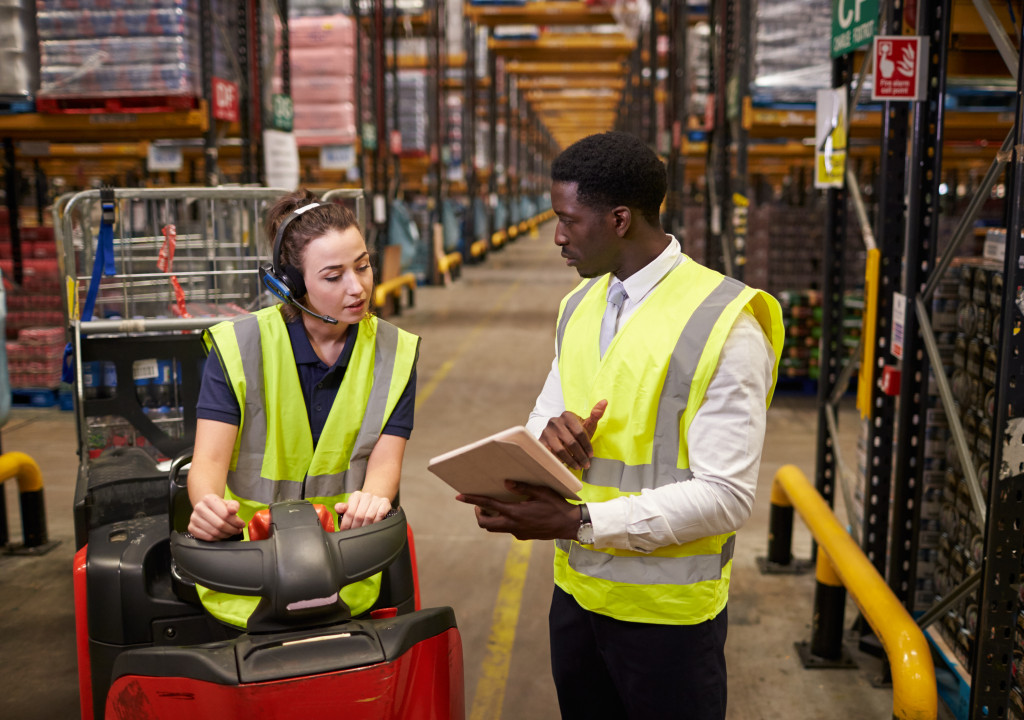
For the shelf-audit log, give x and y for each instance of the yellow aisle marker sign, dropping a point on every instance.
(865, 382)
(830, 138)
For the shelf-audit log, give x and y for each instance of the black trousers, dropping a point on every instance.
(609, 669)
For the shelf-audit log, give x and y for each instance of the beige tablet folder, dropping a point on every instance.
(482, 467)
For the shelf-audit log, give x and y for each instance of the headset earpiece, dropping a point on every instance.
(274, 284)
(294, 280)
(288, 282)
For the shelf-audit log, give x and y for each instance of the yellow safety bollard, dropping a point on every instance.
(33, 509)
(825, 649)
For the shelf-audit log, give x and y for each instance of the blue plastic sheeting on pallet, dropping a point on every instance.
(33, 397)
(16, 106)
(953, 688)
(452, 215)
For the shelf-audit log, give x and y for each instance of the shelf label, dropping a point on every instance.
(853, 24)
(899, 67)
(225, 100)
(163, 158)
(899, 323)
(145, 369)
(337, 157)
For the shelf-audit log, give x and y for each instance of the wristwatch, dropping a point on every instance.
(585, 533)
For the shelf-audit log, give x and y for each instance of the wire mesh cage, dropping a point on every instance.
(177, 252)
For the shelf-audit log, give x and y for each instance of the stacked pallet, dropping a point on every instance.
(322, 61)
(98, 56)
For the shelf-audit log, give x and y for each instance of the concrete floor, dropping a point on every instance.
(488, 341)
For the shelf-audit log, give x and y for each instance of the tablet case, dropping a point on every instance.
(482, 467)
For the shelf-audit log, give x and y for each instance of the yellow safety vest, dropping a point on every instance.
(654, 375)
(273, 457)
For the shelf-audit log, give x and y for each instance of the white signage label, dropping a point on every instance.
(899, 322)
(163, 158)
(281, 156)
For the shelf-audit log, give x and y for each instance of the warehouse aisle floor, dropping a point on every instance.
(487, 345)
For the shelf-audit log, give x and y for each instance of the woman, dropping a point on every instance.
(314, 403)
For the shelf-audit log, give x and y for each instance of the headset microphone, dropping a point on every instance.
(326, 318)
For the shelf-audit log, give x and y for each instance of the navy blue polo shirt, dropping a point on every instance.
(319, 387)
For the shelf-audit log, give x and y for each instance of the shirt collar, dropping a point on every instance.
(643, 280)
(303, 350)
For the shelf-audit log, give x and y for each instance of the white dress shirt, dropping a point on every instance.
(724, 440)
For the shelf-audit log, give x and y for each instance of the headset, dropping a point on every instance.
(286, 281)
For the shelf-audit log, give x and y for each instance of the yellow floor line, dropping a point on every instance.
(466, 344)
(490, 689)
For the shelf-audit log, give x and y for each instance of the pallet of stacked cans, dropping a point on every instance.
(975, 364)
(801, 315)
(755, 272)
(453, 138)
(322, 61)
(993, 249)
(791, 58)
(156, 382)
(118, 55)
(34, 362)
(36, 301)
(694, 236)
(412, 111)
(34, 325)
(19, 58)
(795, 240)
(938, 441)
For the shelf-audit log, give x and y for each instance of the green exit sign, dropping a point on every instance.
(853, 24)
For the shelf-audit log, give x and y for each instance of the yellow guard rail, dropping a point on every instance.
(914, 690)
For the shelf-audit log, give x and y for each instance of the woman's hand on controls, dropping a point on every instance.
(215, 518)
(362, 508)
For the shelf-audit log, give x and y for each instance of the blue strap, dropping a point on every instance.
(103, 264)
(104, 260)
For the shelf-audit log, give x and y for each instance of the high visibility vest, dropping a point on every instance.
(654, 375)
(274, 458)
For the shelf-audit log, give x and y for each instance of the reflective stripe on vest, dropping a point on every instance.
(675, 584)
(247, 480)
(649, 570)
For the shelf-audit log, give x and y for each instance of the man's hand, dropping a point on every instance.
(215, 518)
(568, 436)
(544, 515)
(362, 508)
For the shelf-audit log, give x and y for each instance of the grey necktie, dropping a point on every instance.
(612, 311)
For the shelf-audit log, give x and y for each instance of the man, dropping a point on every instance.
(657, 397)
